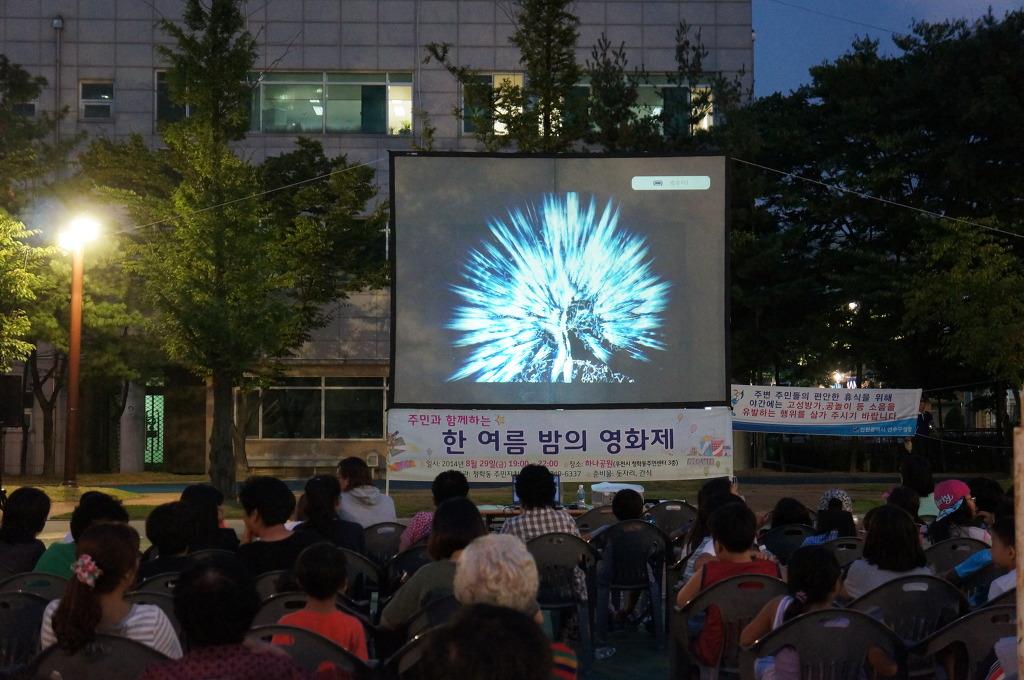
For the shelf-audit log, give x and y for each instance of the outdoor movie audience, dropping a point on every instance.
(169, 528)
(457, 522)
(834, 519)
(105, 568)
(24, 518)
(916, 473)
(215, 602)
(206, 504)
(448, 484)
(892, 548)
(267, 503)
(956, 518)
(94, 507)
(319, 515)
(699, 546)
(361, 501)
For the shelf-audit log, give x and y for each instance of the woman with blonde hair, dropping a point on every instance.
(498, 570)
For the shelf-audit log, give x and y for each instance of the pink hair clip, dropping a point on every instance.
(86, 570)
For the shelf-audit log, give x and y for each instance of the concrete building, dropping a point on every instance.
(351, 74)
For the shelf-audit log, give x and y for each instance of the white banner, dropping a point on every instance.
(837, 412)
(580, 445)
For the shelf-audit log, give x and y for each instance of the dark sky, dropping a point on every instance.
(790, 40)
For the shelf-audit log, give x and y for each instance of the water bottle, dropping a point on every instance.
(581, 497)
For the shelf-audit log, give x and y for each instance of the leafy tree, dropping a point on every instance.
(19, 281)
(236, 261)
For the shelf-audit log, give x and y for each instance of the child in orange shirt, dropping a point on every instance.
(321, 571)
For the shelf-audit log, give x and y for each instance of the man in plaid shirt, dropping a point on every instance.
(535, 486)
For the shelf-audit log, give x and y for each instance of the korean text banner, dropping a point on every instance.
(811, 410)
(581, 446)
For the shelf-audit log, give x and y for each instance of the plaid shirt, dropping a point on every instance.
(536, 522)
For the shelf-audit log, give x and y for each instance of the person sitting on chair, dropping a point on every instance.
(268, 545)
(24, 518)
(448, 484)
(169, 528)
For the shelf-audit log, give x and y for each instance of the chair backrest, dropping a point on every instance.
(277, 605)
(598, 517)
(108, 656)
(832, 644)
(847, 549)
(739, 599)
(45, 585)
(557, 556)
(161, 583)
(402, 664)
(914, 607)
(945, 555)
(364, 576)
(435, 613)
(977, 632)
(267, 583)
(21, 616)
(631, 547)
(382, 541)
(673, 516)
(212, 554)
(309, 650)
(783, 541)
(163, 600)
(405, 564)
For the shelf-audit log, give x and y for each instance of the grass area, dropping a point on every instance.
(66, 494)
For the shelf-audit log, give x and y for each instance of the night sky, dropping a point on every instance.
(790, 40)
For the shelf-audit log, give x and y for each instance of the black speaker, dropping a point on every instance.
(12, 407)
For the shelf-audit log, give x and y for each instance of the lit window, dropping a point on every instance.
(493, 80)
(303, 103)
(96, 100)
(673, 104)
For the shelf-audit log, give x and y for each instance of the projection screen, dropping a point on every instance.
(529, 281)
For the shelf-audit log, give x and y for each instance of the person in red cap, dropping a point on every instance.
(957, 516)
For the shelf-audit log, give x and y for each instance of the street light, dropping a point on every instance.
(79, 232)
(838, 377)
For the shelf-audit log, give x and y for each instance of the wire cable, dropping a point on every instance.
(897, 204)
(837, 17)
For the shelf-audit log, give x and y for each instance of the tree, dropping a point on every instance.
(237, 262)
(542, 114)
(19, 265)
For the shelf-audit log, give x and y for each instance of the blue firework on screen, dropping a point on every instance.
(558, 293)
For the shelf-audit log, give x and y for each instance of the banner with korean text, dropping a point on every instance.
(837, 412)
(580, 445)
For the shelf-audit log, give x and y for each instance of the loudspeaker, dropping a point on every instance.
(12, 409)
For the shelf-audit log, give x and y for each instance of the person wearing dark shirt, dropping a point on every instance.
(169, 529)
(94, 507)
(208, 533)
(24, 517)
(320, 518)
(268, 545)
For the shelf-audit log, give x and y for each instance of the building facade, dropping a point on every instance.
(351, 74)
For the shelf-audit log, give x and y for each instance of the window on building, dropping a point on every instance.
(671, 103)
(166, 110)
(492, 80)
(318, 408)
(96, 99)
(311, 103)
(25, 109)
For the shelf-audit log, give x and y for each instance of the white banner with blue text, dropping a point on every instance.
(595, 445)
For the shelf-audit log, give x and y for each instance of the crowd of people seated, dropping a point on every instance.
(493, 580)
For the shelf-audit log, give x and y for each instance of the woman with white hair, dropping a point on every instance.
(497, 569)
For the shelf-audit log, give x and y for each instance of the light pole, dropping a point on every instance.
(79, 231)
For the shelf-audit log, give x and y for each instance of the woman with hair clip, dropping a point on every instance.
(106, 564)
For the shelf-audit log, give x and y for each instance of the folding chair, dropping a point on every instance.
(382, 541)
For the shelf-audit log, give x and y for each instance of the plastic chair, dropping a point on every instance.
(364, 576)
(435, 613)
(402, 664)
(976, 633)
(847, 549)
(108, 656)
(1007, 598)
(267, 583)
(601, 516)
(382, 541)
(832, 644)
(21, 616)
(945, 555)
(558, 556)
(783, 541)
(212, 554)
(45, 585)
(309, 650)
(163, 600)
(914, 607)
(161, 583)
(403, 565)
(672, 516)
(738, 599)
(633, 560)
